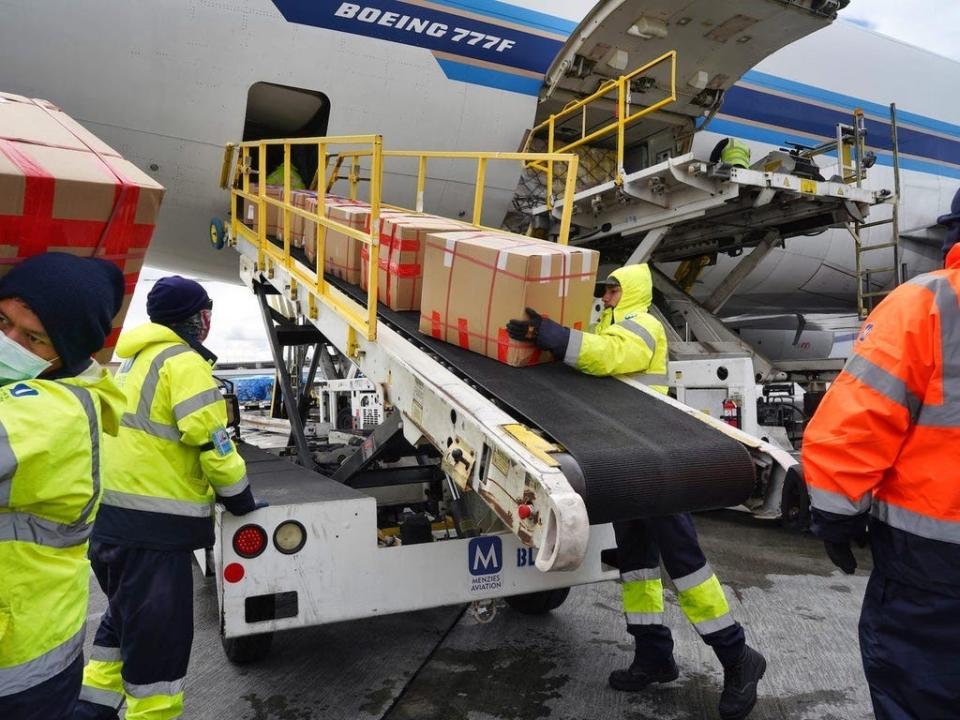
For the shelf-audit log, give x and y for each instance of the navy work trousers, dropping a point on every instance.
(641, 544)
(53, 699)
(910, 643)
(143, 643)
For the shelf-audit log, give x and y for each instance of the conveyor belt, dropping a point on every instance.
(638, 456)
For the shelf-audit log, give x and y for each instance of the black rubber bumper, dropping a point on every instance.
(637, 455)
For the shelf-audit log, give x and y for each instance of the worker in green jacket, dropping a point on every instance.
(55, 311)
(172, 459)
(628, 339)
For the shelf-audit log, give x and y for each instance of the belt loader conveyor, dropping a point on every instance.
(575, 449)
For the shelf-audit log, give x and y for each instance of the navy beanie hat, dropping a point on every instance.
(174, 299)
(75, 298)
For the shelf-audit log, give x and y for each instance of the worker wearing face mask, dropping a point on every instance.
(55, 402)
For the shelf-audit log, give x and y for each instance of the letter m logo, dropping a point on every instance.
(485, 555)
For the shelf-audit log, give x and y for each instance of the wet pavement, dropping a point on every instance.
(444, 665)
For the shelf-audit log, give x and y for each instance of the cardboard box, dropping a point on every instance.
(475, 282)
(403, 239)
(64, 189)
(342, 253)
(250, 213)
(341, 245)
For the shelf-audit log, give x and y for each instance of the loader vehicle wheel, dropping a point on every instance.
(538, 603)
(218, 234)
(247, 649)
(795, 501)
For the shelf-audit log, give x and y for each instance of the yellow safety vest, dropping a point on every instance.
(736, 153)
(50, 441)
(172, 452)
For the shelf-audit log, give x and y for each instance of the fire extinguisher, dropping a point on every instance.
(731, 413)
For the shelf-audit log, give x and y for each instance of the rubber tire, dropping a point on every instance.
(218, 234)
(795, 502)
(538, 603)
(247, 649)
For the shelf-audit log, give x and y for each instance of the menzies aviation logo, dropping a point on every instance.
(485, 560)
(507, 46)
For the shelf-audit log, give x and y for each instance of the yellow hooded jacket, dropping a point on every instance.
(50, 442)
(627, 339)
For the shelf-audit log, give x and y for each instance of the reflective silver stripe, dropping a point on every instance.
(105, 654)
(573, 348)
(644, 618)
(129, 501)
(165, 432)
(649, 378)
(883, 382)
(697, 577)
(172, 687)
(639, 330)
(18, 678)
(192, 404)
(86, 401)
(148, 389)
(8, 467)
(946, 414)
(837, 503)
(98, 696)
(913, 522)
(710, 626)
(24, 527)
(230, 490)
(642, 574)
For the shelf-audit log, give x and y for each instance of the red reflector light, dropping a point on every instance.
(233, 573)
(249, 541)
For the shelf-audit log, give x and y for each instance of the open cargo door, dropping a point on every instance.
(716, 42)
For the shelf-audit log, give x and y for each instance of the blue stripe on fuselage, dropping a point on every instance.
(435, 30)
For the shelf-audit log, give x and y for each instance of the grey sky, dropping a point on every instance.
(237, 333)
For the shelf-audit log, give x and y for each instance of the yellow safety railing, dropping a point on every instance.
(619, 125)
(361, 319)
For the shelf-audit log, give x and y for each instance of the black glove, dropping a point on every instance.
(544, 332)
(525, 329)
(840, 553)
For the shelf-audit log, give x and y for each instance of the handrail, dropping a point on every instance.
(619, 125)
(362, 320)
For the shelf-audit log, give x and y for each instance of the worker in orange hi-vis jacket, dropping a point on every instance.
(883, 451)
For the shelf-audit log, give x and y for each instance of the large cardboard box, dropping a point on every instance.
(475, 282)
(403, 239)
(64, 189)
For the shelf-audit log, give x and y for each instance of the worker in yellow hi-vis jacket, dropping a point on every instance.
(55, 403)
(171, 460)
(630, 340)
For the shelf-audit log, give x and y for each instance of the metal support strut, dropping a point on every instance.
(286, 388)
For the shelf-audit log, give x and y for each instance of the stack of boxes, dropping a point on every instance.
(466, 283)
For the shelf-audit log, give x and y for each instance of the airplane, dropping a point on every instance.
(167, 84)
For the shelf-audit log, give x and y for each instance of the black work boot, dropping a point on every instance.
(740, 685)
(638, 676)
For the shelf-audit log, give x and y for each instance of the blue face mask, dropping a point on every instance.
(18, 363)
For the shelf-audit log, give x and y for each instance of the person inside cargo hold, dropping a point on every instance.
(162, 473)
(880, 453)
(629, 340)
(55, 402)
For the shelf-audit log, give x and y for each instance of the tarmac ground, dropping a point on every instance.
(443, 664)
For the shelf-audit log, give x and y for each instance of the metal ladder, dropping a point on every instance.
(867, 297)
